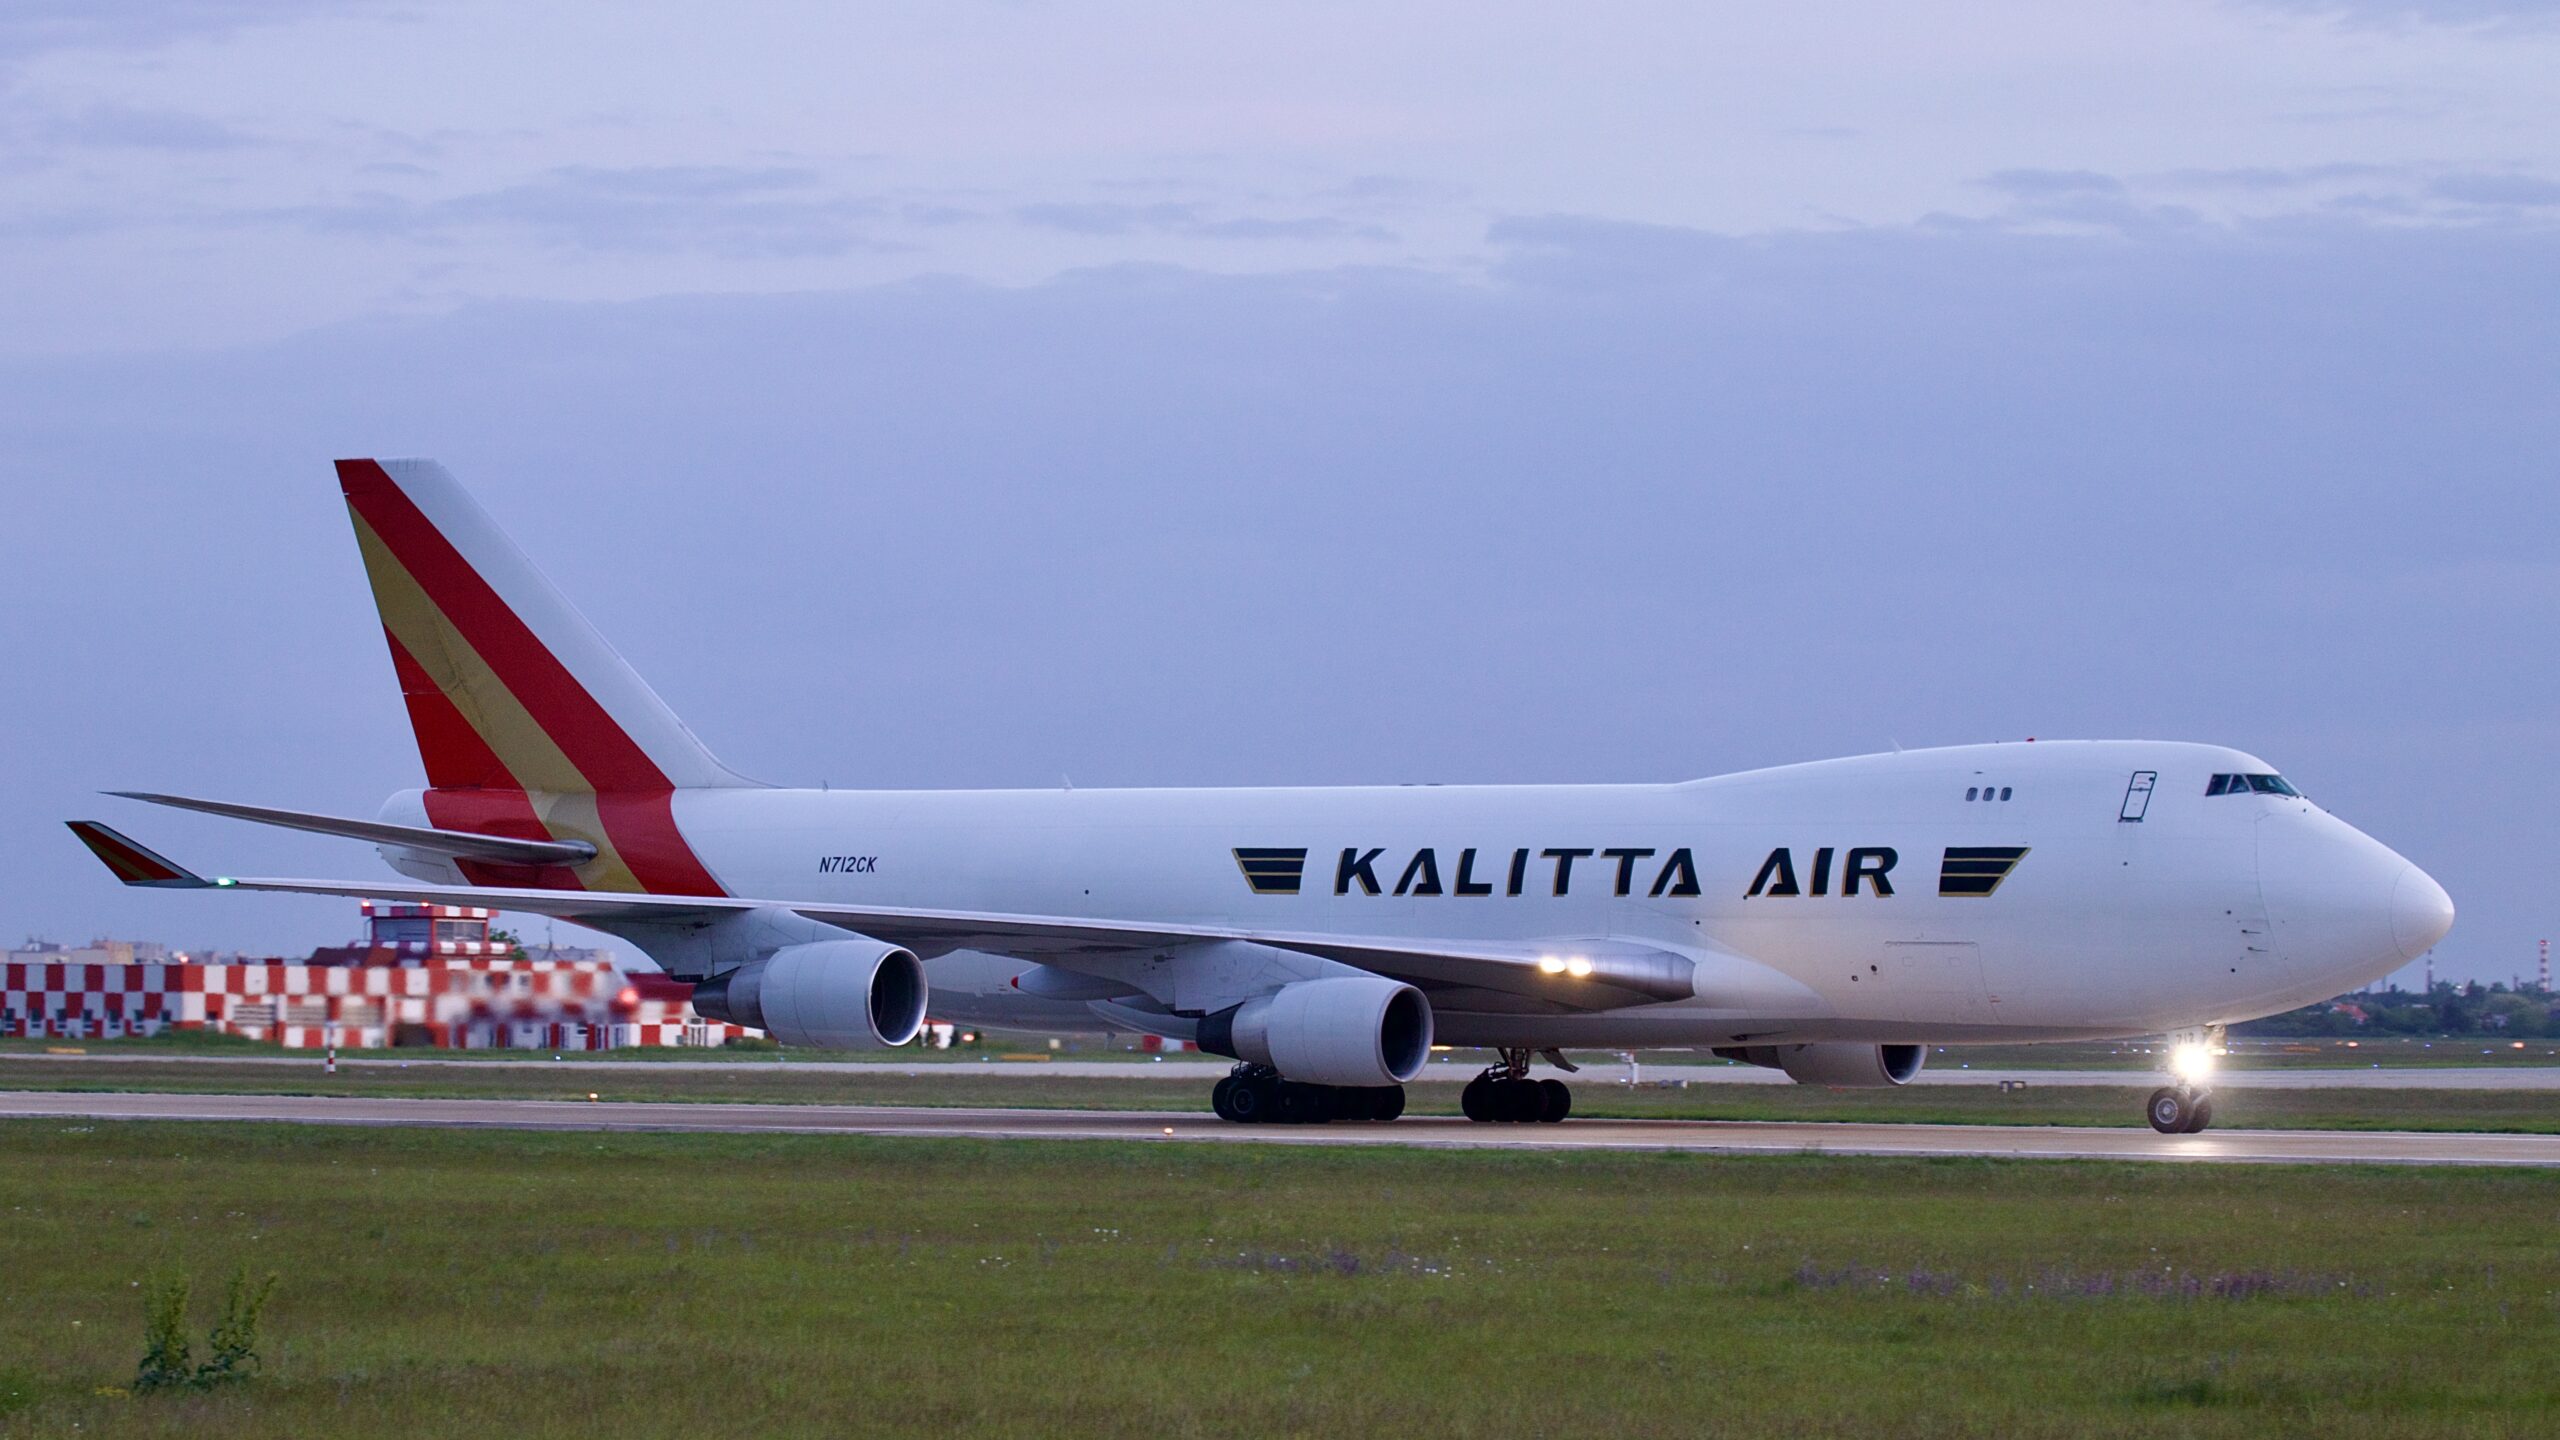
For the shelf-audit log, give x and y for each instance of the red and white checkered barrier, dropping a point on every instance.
(456, 1003)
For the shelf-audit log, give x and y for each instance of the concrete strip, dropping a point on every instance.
(2521, 1076)
(1704, 1137)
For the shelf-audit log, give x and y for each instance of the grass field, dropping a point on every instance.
(451, 1284)
(1044, 1087)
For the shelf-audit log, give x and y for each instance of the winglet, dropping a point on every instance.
(133, 864)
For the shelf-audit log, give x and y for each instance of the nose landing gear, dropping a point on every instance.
(2179, 1109)
(1504, 1092)
(2187, 1106)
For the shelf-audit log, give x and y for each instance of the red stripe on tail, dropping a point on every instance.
(456, 757)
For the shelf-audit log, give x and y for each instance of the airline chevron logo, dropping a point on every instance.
(1272, 871)
(1975, 871)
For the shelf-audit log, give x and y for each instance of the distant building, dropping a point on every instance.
(96, 952)
(423, 975)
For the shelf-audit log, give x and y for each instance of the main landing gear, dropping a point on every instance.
(1256, 1095)
(1504, 1092)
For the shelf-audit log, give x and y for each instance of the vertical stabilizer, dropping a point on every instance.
(528, 722)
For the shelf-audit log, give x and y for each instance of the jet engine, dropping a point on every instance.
(1344, 1030)
(849, 994)
(1842, 1066)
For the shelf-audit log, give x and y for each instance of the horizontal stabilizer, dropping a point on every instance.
(462, 844)
(133, 864)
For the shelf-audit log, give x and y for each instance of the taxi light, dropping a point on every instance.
(1578, 967)
(1550, 965)
(2194, 1063)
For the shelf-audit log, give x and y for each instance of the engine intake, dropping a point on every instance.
(1347, 1030)
(831, 994)
(1842, 1066)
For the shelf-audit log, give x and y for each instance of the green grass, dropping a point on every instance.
(478, 1284)
(1044, 1087)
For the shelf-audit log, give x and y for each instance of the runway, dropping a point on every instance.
(1692, 1136)
(1193, 1069)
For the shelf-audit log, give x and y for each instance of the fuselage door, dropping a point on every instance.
(2137, 797)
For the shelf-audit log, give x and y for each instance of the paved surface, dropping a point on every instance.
(1709, 1137)
(2517, 1076)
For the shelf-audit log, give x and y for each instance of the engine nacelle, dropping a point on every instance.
(832, 994)
(1345, 1030)
(1837, 1064)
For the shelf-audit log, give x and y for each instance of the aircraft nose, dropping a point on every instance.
(2421, 913)
(2346, 907)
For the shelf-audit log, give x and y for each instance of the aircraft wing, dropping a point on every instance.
(1579, 975)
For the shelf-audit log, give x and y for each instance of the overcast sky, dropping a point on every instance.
(972, 394)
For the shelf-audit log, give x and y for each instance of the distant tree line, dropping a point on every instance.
(2466, 1008)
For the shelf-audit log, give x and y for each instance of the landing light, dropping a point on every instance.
(1577, 967)
(2194, 1063)
(1550, 965)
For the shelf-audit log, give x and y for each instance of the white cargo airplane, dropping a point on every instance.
(1830, 920)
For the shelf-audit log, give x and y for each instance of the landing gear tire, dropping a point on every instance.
(1559, 1100)
(1504, 1093)
(1293, 1105)
(1256, 1095)
(1251, 1101)
(2176, 1110)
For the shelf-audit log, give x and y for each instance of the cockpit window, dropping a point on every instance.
(2251, 785)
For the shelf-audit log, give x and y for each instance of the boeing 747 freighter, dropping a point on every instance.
(1832, 920)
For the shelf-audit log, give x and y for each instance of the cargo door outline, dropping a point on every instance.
(1937, 980)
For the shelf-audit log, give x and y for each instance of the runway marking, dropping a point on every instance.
(1699, 1136)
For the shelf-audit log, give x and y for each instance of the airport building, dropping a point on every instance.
(425, 975)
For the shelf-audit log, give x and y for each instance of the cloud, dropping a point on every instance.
(2045, 184)
(2243, 196)
(2271, 179)
(730, 211)
(2514, 14)
(34, 27)
(1111, 218)
(2507, 191)
(1105, 217)
(126, 127)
